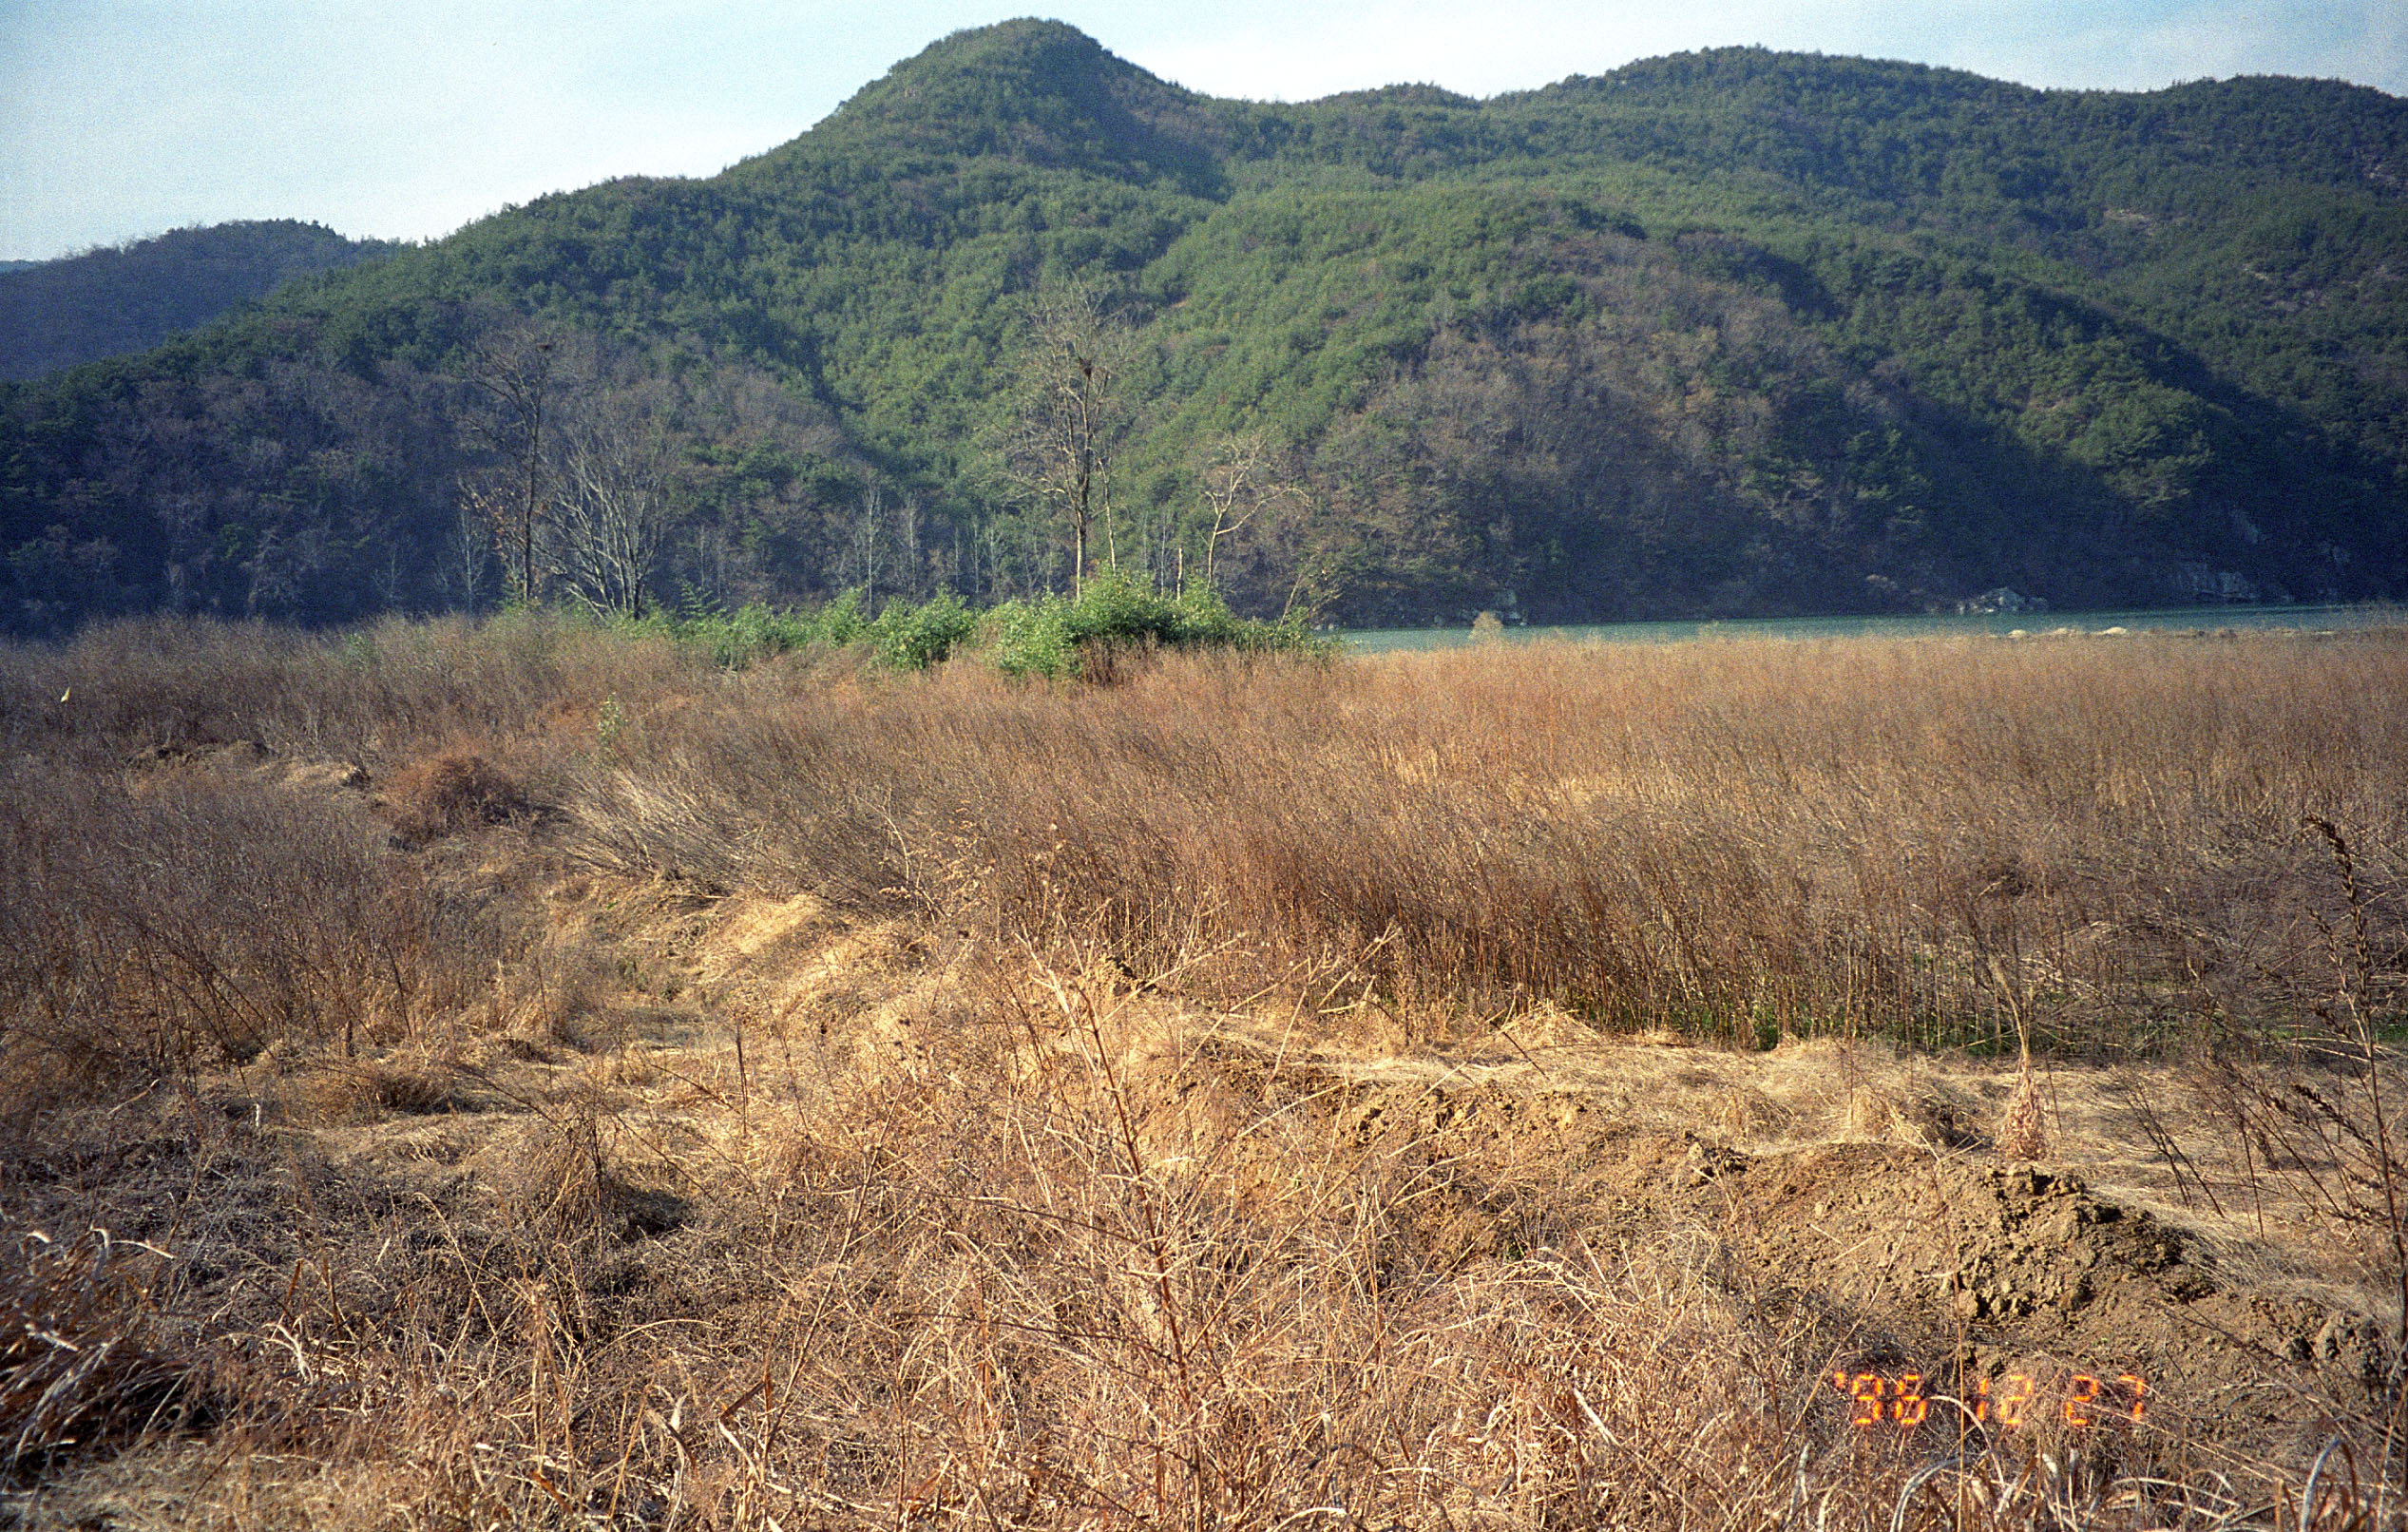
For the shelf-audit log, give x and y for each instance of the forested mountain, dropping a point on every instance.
(1727, 333)
(117, 300)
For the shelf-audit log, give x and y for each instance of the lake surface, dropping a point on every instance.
(2036, 625)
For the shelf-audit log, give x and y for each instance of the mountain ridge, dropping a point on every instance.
(1723, 332)
(121, 299)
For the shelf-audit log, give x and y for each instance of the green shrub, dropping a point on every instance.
(1116, 609)
(1030, 637)
(1037, 635)
(753, 633)
(839, 622)
(914, 638)
(1048, 636)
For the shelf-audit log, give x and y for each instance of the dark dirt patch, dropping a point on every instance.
(1968, 1268)
(1987, 1270)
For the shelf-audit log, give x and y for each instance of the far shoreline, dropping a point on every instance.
(2102, 624)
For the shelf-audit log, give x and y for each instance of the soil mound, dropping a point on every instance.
(1906, 1257)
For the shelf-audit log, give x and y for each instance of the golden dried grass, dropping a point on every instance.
(81, 1368)
(1046, 1257)
(450, 792)
(1917, 840)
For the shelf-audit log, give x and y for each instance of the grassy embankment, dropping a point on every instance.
(558, 1078)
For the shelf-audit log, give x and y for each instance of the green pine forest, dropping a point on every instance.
(1733, 333)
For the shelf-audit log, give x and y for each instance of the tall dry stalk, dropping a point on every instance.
(2314, 1093)
(2376, 1133)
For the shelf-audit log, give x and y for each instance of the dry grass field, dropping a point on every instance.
(525, 1076)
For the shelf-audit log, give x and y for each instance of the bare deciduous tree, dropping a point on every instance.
(1246, 476)
(471, 551)
(614, 501)
(520, 375)
(580, 489)
(1072, 409)
(868, 539)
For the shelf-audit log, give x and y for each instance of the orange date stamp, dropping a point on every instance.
(1902, 1400)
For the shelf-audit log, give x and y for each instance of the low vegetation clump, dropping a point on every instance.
(542, 1074)
(1052, 636)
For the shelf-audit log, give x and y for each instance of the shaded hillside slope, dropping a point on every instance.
(117, 300)
(1727, 333)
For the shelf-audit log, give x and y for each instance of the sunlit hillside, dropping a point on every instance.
(1726, 333)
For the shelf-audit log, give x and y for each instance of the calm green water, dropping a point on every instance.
(2183, 619)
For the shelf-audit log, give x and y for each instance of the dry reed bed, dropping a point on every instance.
(191, 876)
(1922, 839)
(531, 689)
(1026, 1276)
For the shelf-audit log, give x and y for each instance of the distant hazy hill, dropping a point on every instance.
(128, 298)
(1726, 333)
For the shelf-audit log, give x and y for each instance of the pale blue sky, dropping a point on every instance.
(407, 118)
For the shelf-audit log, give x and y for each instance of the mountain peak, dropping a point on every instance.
(1036, 51)
(1042, 92)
